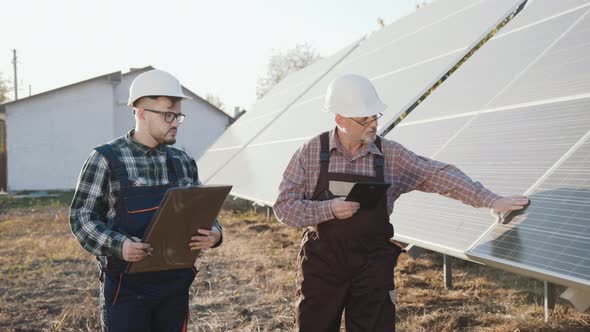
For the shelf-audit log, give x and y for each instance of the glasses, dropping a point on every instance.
(368, 122)
(169, 116)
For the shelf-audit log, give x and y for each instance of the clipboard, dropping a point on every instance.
(367, 194)
(182, 211)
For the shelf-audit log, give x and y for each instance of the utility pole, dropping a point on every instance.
(15, 77)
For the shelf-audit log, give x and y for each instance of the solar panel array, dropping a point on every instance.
(403, 61)
(514, 116)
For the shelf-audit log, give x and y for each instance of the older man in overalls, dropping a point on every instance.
(347, 260)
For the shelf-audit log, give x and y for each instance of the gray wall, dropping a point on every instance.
(50, 136)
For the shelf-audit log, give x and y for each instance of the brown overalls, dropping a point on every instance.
(347, 264)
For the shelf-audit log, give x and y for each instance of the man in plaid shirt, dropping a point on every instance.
(347, 259)
(119, 189)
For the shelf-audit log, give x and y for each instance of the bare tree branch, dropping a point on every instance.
(3, 89)
(282, 64)
(215, 101)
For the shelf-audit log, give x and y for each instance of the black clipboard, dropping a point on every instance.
(182, 211)
(367, 194)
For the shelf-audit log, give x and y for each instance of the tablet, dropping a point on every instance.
(182, 211)
(368, 194)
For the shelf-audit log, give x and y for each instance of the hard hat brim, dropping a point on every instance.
(368, 111)
(184, 97)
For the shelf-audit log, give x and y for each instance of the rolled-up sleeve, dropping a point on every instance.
(421, 173)
(88, 211)
(291, 207)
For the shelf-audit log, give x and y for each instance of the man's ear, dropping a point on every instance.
(340, 123)
(139, 113)
(339, 120)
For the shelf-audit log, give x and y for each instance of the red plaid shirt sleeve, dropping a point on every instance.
(292, 206)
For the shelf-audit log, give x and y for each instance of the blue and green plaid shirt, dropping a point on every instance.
(97, 191)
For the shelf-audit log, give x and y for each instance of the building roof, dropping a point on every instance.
(112, 77)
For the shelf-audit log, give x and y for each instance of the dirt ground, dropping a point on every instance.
(48, 283)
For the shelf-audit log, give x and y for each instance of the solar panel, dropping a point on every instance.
(264, 112)
(403, 61)
(475, 86)
(508, 150)
(552, 236)
(560, 70)
(509, 117)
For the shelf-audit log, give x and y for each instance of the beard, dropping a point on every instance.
(169, 138)
(369, 137)
(169, 141)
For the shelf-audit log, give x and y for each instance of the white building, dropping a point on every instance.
(50, 135)
(2, 152)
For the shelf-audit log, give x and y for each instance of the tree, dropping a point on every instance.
(214, 100)
(282, 64)
(3, 89)
(421, 4)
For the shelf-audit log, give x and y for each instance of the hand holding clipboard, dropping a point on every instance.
(182, 212)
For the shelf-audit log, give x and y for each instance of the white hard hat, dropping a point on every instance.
(155, 83)
(353, 96)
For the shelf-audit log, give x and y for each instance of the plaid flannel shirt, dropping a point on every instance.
(404, 169)
(93, 208)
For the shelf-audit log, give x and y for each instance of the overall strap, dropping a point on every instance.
(118, 169)
(322, 183)
(324, 153)
(174, 165)
(379, 162)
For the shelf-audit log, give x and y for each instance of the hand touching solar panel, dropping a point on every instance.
(504, 205)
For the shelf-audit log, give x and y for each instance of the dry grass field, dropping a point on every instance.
(48, 283)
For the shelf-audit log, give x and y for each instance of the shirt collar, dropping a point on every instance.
(335, 143)
(143, 149)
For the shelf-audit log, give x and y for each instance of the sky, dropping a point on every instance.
(214, 47)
